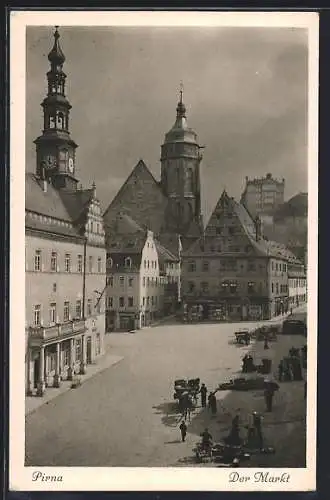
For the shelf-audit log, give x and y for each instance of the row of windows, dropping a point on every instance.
(298, 283)
(227, 286)
(276, 288)
(150, 264)
(147, 281)
(127, 262)
(68, 263)
(226, 265)
(147, 263)
(69, 311)
(110, 301)
(279, 266)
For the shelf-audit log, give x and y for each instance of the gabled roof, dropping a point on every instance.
(261, 246)
(164, 254)
(139, 169)
(47, 203)
(77, 202)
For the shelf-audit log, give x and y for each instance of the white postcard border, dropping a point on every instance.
(144, 479)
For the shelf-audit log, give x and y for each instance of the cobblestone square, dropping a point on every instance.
(126, 416)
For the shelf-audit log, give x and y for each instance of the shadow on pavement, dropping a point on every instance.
(284, 428)
(170, 411)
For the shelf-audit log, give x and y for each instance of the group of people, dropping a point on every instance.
(185, 407)
(290, 367)
(254, 432)
(212, 400)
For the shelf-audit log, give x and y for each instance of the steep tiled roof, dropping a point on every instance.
(128, 244)
(47, 203)
(164, 254)
(76, 202)
(47, 225)
(261, 246)
(141, 198)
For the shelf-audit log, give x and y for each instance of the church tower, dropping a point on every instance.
(55, 148)
(180, 176)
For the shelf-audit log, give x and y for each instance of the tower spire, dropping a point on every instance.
(55, 148)
(181, 108)
(56, 56)
(181, 92)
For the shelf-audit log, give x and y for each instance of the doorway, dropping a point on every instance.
(89, 350)
(36, 372)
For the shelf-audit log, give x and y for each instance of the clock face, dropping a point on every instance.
(50, 161)
(71, 165)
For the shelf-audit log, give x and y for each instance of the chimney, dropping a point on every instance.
(94, 189)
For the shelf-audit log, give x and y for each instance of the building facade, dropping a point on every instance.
(170, 273)
(297, 285)
(232, 272)
(262, 196)
(65, 256)
(135, 283)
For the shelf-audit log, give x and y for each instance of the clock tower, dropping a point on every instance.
(55, 148)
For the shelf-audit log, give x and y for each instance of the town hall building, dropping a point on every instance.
(65, 256)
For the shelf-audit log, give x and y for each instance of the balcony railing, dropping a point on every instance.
(57, 331)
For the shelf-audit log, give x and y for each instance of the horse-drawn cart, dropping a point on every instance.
(225, 454)
(190, 386)
(243, 337)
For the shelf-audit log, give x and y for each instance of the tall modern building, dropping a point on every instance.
(65, 256)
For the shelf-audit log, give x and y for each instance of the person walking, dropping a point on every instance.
(270, 388)
(183, 430)
(203, 391)
(258, 429)
(280, 370)
(234, 437)
(250, 430)
(213, 403)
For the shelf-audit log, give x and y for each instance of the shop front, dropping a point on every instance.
(127, 321)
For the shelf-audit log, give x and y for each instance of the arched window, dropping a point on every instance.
(52, 121)
(59, 120)
(128, 262)
(109, 262)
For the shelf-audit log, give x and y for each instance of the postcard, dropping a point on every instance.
(166, 251)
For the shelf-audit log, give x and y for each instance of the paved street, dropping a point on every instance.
(125, 415)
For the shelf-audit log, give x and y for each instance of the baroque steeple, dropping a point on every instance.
(55, 148)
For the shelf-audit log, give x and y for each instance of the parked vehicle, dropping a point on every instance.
(295, 324)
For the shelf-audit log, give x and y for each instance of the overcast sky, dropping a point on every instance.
(245, 90)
